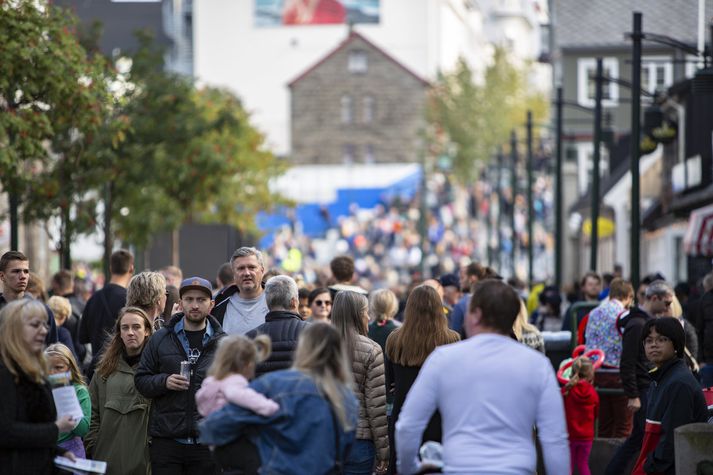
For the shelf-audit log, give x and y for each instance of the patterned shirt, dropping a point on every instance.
(602, 333)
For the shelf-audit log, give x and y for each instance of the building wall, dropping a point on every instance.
(320, 133)
(257, 63)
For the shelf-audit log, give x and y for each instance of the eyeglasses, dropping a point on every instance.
(319, 303)
(659, 340)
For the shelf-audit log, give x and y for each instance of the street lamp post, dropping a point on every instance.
(594, 242)
(559, 232)
(530, 207)
(513, 187)
(635, 150)
(499, 221)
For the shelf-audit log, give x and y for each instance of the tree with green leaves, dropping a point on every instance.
(50, 107)
(185, 155)
(470, 118)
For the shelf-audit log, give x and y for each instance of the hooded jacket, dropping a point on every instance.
(581, 407)
(634, 367)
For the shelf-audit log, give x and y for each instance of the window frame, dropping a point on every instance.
(586, 64)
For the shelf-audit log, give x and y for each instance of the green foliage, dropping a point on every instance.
(182, 154)
(469, 119)
(71, 123)
(46, 87)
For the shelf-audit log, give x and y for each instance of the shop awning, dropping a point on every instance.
(698, 240)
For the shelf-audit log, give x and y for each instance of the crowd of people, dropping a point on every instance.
(262, 373)
(389, 242)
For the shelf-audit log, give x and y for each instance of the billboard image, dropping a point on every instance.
(315, 12)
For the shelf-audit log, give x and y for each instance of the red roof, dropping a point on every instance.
(352, 36)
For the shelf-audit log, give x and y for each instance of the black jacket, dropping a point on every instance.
(99, 316)
(633, 366)
(284, 329)
(28, 434)
(675, 399)
(173, 413)
(399, 380)
(704, 324)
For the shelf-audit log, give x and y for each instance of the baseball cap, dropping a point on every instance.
(449, 279)
(196, 283)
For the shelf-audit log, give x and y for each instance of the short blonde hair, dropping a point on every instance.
(15, 355)
(60, 306)
(145, 289)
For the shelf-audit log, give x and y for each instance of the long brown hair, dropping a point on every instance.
(425, 327)
(113, 351)
(15, 355)
(348, 312)
(322, 355)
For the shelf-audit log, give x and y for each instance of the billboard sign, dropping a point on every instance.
(271, 13)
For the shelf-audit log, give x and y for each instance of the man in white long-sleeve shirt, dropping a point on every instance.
(491, 392)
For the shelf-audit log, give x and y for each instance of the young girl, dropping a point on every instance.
(234, 364)
(61, 360)
(581, 404)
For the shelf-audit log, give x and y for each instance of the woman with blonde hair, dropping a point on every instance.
(147, 291)
(350, 315)
(527, 333)
(60, 359)
(314, 426)
(424, 329)
(118, 431)
(29, 427)
(383, 306)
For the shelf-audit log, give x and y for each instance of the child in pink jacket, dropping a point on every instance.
(227, 382)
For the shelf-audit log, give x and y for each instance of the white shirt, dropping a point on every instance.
(242, 315)
(491, 391)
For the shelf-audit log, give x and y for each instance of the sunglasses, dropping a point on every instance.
(323, 302)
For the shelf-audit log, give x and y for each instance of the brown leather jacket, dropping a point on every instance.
(370, 389)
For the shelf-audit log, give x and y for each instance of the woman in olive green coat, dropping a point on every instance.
(120, 415)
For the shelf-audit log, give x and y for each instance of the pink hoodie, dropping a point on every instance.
(214, 394)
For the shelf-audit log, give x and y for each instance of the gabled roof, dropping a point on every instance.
(603, 23)
(353, 35)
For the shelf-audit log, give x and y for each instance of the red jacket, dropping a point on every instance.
(581, 406)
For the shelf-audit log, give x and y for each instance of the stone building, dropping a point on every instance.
(357, 105)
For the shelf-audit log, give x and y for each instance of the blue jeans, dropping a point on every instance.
(360, 460)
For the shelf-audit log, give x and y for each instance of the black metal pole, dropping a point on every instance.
(530, 204)
(14, 202)
(635, 147)
(594, 242)
(559, 232)
(499, 221)
(108, 240)
(513, 187)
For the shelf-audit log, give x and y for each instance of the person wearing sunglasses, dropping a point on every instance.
(320, 304)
